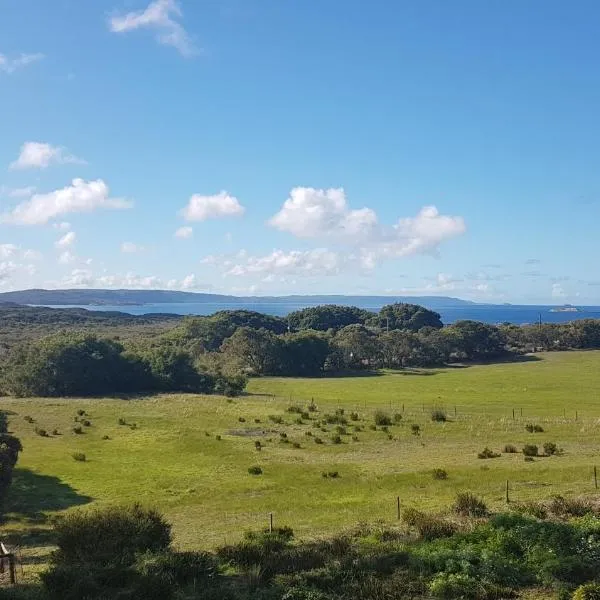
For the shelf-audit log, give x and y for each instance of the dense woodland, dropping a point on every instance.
(95, 353)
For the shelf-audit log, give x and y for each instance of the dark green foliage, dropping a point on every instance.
(336, 439)
(218, 438)
(10, 447)
(122, 421)
(276, 419)
(41, 432)
(439, 474)
(439, 416)
(428, 527)
(86, 423)
(318, 440)
(328, 316)
(294, 409)
(469, 505)
(79, 456)
(587, 591)
(382, 419)
(80, 412)
(341, 430)
(330, 474)
(179, 568)
(530, 450)
(570, 507)
(258, 445)
(534, 428)
(297, 445)
(55, 432)
(550, 449)
(397, 418)
(410, 317)
(28, 419)
(510, 449)
(415, 429)
(255, 470)
(487, 453)
(336, 418)
(354, 416)
(78, 429)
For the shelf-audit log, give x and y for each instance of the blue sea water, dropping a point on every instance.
(488, 313)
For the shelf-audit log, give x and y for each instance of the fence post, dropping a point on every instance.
(507, 496)
(513, 414)
(270, 522)
(398, 506)
(595, 477)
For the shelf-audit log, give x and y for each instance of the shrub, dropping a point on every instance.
(550, 449)
(41, 432)
(218, 438)
(241, 419)
(336, 439)
(428, 527)
(86, 423)
(373, 427)
(528, 458)
(78, 429)
(276, 419)
(587, 591)
(318, 440)
(382, 418)
(439, 474)
(390, 436)
(415, 429)
(530, 450)
(122, 421)
(312, 407)
(397, 418)
(355, 438)
(133, 426)
(455, 585)
(258, 445)
(55, 432)
(534, 509)
(438, 416)
(29, 419)
(509, 449)
(305, 415)
(283, 435)
(308, 433)
(299, 421)
(81, 412)
(79, 456)
(354, 416)
(330, 474)
(179, 568)
(110, 536)
(106, 437)
(385, 429)
(469, 505)
(534, 428)
(487, 453)
(255, 470)
(341, 430)
(570, 507)
(297, 445)
(257, 420)
(294, 409)
(337, 418)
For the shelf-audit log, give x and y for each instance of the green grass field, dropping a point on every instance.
(173, 460)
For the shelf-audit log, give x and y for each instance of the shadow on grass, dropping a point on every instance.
(31, 495)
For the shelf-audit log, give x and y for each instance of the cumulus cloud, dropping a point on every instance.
(39, 155)
(10, 65)
(66, 240)
(189, 282)
(78, 278)
(217, 206)
(66, 257)
(131, 248)
(184, 233)
(325, 214)
(162, 16)
(23, 192)
(315, 262)
(8, 250)
(14, 251)
(80, 197)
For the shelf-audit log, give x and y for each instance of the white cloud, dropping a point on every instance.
(66, 240)
(10, 65)
(8, 250)
(39, 155)
(189, 282)
(14, 251)
(23, 192)
(80, 196)
(325, 214)
(315, 262)
(313, 213)
(217, 206)
(184, 233)
(162, 16)
(78, 278)
(66, 257)
(131, 248)
(7, 268)
(32, 255)
(558, 291)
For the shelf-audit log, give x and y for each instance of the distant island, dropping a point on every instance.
(102, 297)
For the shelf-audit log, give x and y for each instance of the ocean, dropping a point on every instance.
(488, 313)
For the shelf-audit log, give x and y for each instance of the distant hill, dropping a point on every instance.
(89, 297)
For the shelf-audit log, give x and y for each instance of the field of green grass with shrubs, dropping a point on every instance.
(320, 454)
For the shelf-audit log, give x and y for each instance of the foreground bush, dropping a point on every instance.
(469, 505)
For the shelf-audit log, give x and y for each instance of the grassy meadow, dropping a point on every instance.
(189, 455)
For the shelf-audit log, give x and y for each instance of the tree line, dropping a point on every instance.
(215, 354)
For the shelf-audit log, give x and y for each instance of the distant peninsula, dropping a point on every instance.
(103, 297)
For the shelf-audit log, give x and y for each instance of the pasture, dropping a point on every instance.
(189, 455)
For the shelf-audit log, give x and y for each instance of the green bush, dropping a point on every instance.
(110, 536)
(354, 416)
(79, 456)
(276, 419)
(587, 591)
(532, 428)
(487, 453)
(428, 527)
(439, 474)
(179, 568)
(467, 504)
(255, 470)
(570, 507)
(41, 432)
(439, 416)
(397, 418)
(454, 585)
(530, 450)
(318, 440)
(78, 429)
(382, 419)
(415, 429)
(550, 449)
(509, 449)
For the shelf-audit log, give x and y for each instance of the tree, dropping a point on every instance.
(304, 353)
(406, 316)
(10, 447)
(257, 350)
(327, 316)
(472, 340)
(359, 346)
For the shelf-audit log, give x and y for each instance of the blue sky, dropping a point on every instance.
(276, 147)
